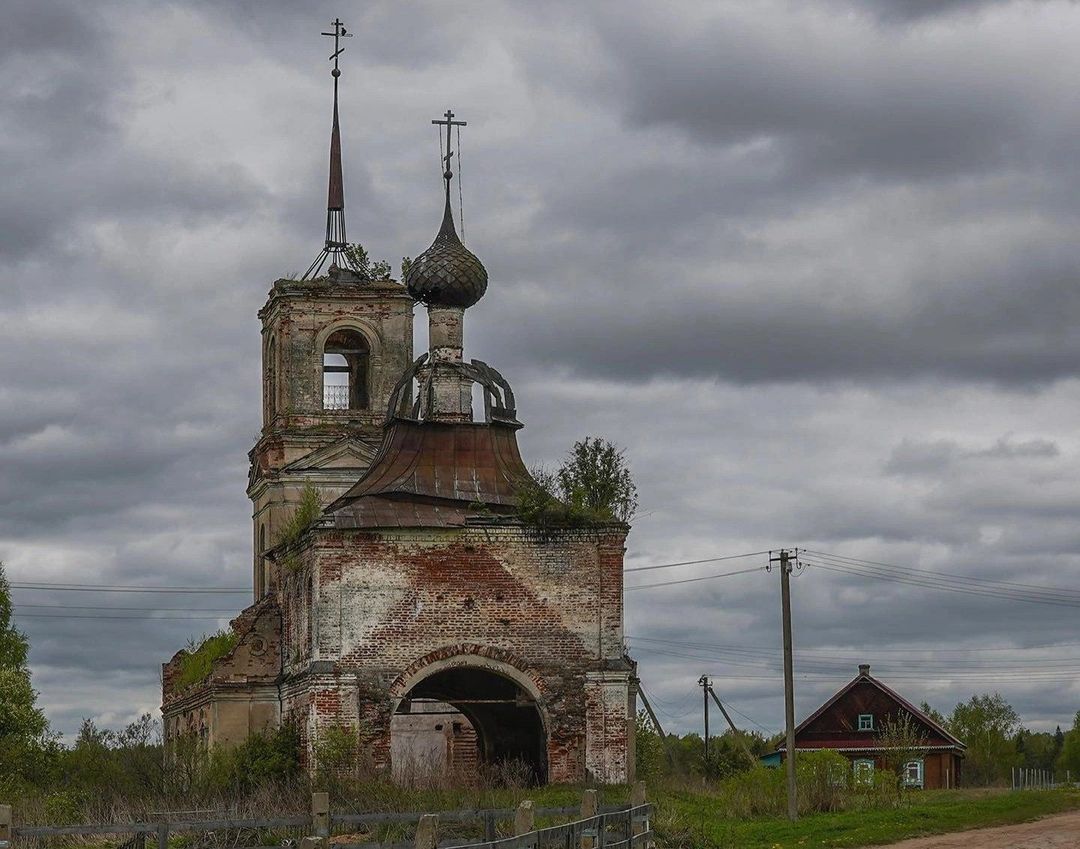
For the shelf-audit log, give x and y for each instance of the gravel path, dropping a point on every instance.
(1060, 831)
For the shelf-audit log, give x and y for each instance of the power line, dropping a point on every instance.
(937, 574)
(854, 653)
(695, 562)
(96, 616)
(765, 652)
(143, 608)
(825, 673)
(105, 588)
(944, 584)
(692, 580)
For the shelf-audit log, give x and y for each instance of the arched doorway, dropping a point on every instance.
(464, 721)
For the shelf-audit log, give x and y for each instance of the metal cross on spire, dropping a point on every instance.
(336, 240)
(449, 122)
(448, 174)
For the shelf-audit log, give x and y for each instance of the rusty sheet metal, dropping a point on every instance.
(433, 474)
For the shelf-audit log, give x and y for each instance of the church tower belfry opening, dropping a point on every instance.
(334, 344)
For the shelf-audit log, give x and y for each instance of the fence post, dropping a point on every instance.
(5, 826)
(163, 835)
(427, 832)
(639, 822)
(524, 818)
(320, 814)
(589, 808)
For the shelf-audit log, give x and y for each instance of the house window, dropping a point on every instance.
(866, 722)
(913, 773)
(864, 771)
(345, 371)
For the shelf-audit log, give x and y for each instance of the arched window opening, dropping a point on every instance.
(270, 385)
(345, 371)
(467, 724)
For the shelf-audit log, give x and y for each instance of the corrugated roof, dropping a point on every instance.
(433, 474)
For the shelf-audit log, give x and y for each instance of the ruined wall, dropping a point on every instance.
(240, 696)
(383, 608)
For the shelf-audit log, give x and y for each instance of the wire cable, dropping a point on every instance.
(107, 588)
(692, 580)
(694, 562)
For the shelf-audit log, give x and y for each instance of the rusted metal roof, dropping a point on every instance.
(434, 474)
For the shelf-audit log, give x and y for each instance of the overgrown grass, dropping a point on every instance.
(195, 666)
(690, 819)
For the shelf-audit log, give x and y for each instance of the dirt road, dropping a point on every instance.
(1060, 831)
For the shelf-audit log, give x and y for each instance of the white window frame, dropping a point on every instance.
(863, 769)
(868, 725)
(917, 780)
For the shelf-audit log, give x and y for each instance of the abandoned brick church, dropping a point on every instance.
(418, 612)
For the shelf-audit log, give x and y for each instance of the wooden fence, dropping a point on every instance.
(592, 826)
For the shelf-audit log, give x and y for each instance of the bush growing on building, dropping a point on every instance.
(198, 660)
(593, 485)
(358, 256)
(595, 479)
(305, 515)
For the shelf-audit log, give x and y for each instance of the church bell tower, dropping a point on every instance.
(334, 344)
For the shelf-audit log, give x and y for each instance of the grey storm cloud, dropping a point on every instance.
(813, 265)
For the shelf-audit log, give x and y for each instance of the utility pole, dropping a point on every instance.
(784, 559)
(703, 682)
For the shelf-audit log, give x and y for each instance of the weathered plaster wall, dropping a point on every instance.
(380, 610)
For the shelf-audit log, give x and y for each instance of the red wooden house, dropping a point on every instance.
(851, 723)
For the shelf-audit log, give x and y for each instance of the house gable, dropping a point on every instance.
(836, 724)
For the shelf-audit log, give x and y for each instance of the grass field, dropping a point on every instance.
(686, 819)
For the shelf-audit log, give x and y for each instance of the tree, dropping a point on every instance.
(358, 257)
(902, 741)
(1069, 759)
(596, 479)
(987, 724)
(934, 714)
(593, 485)
(24, 731)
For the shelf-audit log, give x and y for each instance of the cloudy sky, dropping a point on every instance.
(813, 264)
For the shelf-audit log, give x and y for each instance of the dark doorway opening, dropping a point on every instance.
(469, 720)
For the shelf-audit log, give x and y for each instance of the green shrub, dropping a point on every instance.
(196, 663)
(305, 515)
(593, 486)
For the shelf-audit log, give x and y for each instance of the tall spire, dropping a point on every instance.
(336, 240)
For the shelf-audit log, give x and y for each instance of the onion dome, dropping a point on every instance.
(447, 274)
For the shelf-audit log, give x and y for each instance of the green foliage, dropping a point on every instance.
(593, 486)
(406, 264)
(25, 741)
(357, 256)
(1069, 759)
(305, 515)
(649, 754)
(987, 724)
(198, 660)
(595, 479)
(900, 738)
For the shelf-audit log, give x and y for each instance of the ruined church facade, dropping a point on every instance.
(419, 612)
